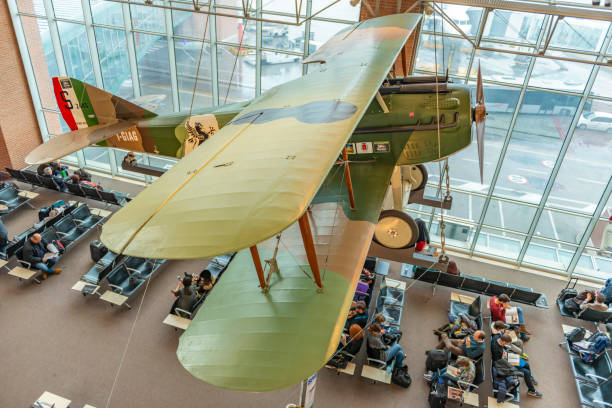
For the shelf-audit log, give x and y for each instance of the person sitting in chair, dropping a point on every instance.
(48, 172)
(500, 328)
(472, 346)
(76, 179)
(465, 374)
(34, 252)
(351, 342)
(386, 353)
(186, 294)
(599, 304)
(499, 305)
(607, 291)
(358, 314)
(205, 282)
(499, 351)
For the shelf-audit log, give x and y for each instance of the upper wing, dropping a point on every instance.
(259, 173)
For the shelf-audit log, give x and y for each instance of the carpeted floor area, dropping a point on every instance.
(52, 338)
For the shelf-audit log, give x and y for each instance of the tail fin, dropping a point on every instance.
(93, 115)
(83, 105)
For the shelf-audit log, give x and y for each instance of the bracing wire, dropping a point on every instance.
(195, 84)
(229, 85)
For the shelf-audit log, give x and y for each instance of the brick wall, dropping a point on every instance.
(19, 132)
(385, 8)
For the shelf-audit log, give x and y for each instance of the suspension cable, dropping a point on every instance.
(195, 84)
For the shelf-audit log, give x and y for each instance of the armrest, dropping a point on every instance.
(25, 263)
(465, 386)
(78, 221)
(61, 233)
(597, 377)
(605, 404)
(2, 201)
(346, 353)
(131, 271)
(182, 312)
(116, 287)
(380, 362)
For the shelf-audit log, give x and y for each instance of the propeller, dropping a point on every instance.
(479, 114)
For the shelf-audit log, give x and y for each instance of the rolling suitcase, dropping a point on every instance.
(97, 250)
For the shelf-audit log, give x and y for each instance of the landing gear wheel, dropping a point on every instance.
(416, 175)
(395, 230)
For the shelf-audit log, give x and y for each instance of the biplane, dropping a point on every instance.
(296, 178)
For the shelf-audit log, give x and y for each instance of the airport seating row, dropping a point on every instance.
(180, 318)
(593, 381)
(475, 284)
(389, 302)
(585, 314)
(80, 190)
(122, 275)
(11, 247)
(64, 230)
(12, 198)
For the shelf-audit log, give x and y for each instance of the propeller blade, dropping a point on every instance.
(480, 114)
(480, 131)
(479, 90)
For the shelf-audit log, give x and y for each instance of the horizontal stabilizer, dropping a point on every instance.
(71, 142)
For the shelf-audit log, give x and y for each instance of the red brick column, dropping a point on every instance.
(387, 7)
(19, 132)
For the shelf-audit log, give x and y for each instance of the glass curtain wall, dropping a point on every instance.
(548, 133)
(544, 202)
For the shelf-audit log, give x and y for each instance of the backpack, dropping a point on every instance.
(437, 394)
(338, 361)
(576, 335)
(597, 344)
(436, 360)
(43, 212)
(571, 306)
(567, 293)
(401, 377)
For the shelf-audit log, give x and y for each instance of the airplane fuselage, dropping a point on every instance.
(412, 108)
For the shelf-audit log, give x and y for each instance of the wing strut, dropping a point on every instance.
(258, 268)
(347, 174)
(310, 248)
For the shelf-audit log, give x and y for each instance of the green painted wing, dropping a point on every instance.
(258, 174)
(244, 340)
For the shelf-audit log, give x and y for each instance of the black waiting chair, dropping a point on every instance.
(91, 192)
(84, 218)
(596, 373)
(75, 189)
(16, 174)
(10, 198)
(475, 284)
(49, 183)
(31, 177)
(122, 282)
(68, 231)
(593, 396)
(101, 269)
(496, 288)
(111, 197)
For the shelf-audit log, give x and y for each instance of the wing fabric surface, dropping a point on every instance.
(74, 141)
(260, 172)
